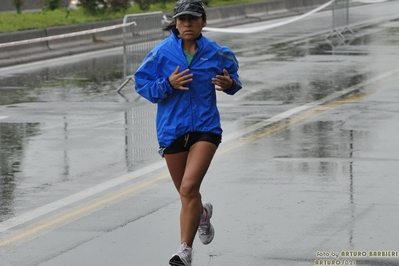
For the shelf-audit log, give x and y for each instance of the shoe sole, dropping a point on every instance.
(176, 261)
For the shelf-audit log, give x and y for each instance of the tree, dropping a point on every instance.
(145, 4)
(18, 5)
(52, 4)
(163, 2)
(118, 5)
(94, 6)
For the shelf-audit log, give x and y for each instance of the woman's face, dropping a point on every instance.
(189, 27)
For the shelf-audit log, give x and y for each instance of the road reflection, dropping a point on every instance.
(90, 80)
(14, 137)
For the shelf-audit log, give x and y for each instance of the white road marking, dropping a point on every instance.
(23, 218)
(3, 117)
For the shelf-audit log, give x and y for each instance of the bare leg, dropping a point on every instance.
(188, 170)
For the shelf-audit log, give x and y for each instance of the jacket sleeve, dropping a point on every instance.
(231, 65)
(149, 82)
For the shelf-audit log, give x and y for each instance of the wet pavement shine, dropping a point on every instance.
(306, 173)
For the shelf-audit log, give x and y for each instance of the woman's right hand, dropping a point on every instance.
(177, 80)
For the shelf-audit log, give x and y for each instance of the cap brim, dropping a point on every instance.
(195, 14)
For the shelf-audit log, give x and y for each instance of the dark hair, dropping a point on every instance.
(172, 25)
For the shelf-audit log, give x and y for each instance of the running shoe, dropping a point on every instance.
(182, 257)
(206, 232)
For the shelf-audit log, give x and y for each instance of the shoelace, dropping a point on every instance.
(204, 228)
(185, 252)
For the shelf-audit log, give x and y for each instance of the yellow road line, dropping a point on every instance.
(84, 208)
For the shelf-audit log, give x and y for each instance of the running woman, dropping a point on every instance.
(181, 75)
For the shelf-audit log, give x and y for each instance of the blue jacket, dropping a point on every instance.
(179, 111)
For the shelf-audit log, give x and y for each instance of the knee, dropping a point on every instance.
(189, 191)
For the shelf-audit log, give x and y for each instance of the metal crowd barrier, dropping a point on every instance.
(340, 20)
(138, 39)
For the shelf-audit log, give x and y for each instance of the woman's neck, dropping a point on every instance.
(190, 47)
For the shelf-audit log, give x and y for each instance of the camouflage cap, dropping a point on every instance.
(189, 7)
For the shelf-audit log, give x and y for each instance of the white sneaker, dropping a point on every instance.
(206, 232)
(182, 257)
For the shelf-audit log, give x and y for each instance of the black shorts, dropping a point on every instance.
(184, 142)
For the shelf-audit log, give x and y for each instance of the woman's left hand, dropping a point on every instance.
(223, 82)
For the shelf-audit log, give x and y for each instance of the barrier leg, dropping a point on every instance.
(123, 84)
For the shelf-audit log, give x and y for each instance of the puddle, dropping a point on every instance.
(13, 139)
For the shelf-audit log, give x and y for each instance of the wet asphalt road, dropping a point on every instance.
(307, 169)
